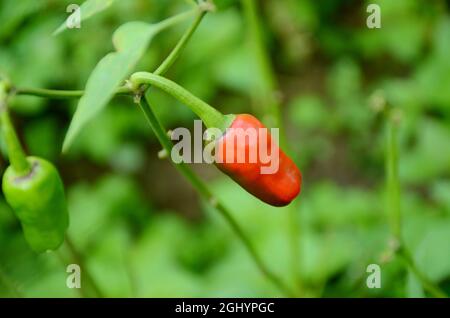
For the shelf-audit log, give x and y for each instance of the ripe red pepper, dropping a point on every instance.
(277, 189)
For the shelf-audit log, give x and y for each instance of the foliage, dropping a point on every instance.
(141, 228)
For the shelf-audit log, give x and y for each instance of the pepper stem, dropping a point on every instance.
(16, 153)
(208, 114)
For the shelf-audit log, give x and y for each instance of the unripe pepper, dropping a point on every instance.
(278, 188)
(38, 201)
(33, 188)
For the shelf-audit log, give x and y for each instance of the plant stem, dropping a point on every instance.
(61, 94)
(394, 205)
(49, 93)
(426, 283)
(16, 153)
(393, 183)
(176, 52)
(197, 183)
(174, 20)
(209, 115)
(202, 188)
(265, 94)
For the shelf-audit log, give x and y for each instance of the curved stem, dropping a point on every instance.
(210, 116)
(204, 191)
(16, 154)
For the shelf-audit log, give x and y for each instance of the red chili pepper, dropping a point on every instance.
(277, 189)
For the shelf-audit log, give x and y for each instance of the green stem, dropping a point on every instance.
(176, 52)
(61, 94)
(393, 183)
(428, 285)
(210, 116)
(394, 206)
(167, 23)
(124, 90)
(204, 191)
(197, 183)
(16, 153)
(265, 94)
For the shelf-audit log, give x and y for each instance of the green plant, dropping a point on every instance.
(33, 188)
(130, 41)
(393, 187)
(137, 229)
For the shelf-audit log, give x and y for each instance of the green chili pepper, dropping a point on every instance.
(33, 188)
(38, 200)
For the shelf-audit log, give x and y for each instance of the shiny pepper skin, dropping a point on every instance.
(277, 189)
(39, 202)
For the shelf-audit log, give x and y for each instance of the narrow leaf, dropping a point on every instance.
(130, 42)
(86, 10)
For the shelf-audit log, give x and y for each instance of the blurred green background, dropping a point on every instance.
(141, 228)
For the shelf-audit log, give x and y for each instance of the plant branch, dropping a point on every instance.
(124, 90)
(202, 188)
(196, 182)
(176, 52)
(174, 20)
(394, 202)
(61, 94)
(393, 183)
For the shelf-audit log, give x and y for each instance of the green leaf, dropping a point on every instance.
(433, 247)
(130, 41)
(87, 10)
